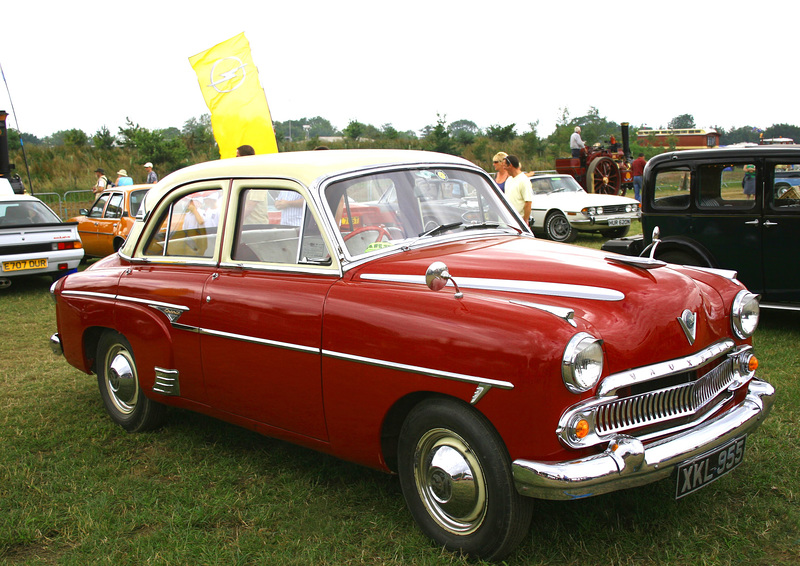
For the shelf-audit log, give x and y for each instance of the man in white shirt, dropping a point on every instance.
(576, 143)
(518, 188)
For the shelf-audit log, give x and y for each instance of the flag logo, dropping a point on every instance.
(226, 71)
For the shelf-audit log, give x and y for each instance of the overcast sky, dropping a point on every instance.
(87, 64)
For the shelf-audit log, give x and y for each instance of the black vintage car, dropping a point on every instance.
(730, 208)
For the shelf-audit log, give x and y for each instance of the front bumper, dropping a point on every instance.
(595, 222)
(628, 463)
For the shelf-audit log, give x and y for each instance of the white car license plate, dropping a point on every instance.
(20, 264)
(704, 469)
(619, 221)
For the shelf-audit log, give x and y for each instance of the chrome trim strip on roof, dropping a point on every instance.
(512, 286)
(612, 383)
(421, 370)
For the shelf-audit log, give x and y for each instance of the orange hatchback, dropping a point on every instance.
(104, 227)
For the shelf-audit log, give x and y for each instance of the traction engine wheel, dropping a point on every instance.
(603, 176)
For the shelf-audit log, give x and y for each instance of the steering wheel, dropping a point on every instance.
(381, 230)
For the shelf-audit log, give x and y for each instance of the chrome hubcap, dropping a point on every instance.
(450, 481)
(121, 380)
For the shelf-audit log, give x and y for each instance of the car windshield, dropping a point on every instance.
(400, 207)
(562, 184)
(26, 212)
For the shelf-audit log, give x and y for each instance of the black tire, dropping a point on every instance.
(681, 257)
(557, 228)
(118, 244)
(118, 380)
(619, 232)
(481, 513)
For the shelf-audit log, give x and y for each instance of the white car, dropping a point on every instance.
(561, 208)
(34, 240)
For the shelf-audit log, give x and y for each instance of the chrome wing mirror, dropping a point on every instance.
(437, 276)
(656, 241)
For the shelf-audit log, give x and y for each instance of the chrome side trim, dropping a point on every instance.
(150, 303)
(512, 286)
(629, 463)
(262, 341)
(564, 313)
(420, 370)
(89, 294)
(167, 382)
(611, 384)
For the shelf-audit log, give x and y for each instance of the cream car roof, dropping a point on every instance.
(304, 166)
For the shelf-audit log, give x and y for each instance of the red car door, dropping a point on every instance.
(262, 313)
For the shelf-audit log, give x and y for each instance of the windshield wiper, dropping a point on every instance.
(482, 225)
(440, 228)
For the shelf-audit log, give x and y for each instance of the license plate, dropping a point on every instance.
(703, 470)
(619, 221)
(21, 264)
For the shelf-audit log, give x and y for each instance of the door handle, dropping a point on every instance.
(770, 223)
(752, 222)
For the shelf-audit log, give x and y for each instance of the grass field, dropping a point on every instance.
(76, 489)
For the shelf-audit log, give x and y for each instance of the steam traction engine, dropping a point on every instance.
(602, 169)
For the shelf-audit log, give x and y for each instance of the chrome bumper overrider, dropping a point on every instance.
(55, 345)
(628, 463)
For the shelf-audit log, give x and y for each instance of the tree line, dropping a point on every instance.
(173, 148)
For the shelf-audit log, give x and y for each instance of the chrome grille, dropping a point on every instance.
(665, 404)
(614, 209)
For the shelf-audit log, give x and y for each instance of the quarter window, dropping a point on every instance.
(188, 227)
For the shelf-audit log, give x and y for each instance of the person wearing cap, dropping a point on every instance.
(123, 178)
(102, 181)
(152, 178)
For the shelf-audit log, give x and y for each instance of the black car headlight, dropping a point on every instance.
(582, 363)
(745, 313)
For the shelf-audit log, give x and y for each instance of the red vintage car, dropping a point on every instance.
(483, 366)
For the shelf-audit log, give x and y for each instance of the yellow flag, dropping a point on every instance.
(239, 112)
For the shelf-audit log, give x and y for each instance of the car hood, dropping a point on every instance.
(621, 304)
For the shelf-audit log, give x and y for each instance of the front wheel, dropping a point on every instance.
(456, 478)
(118, 380)
(558, 228)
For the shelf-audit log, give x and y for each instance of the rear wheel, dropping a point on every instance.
(557, 228)
(118, 380)
(457, 481)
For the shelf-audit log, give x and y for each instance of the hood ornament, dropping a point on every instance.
(688, 322)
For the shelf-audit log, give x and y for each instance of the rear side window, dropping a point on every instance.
(730, 186)
(672, 189)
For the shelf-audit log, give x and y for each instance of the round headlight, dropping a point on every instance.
(599, 210)
(582, 363)
(588, 211)
(745, 313)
